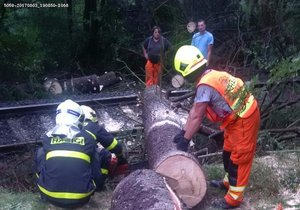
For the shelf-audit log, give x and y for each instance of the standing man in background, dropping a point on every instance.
(154, 48)
(204, 41)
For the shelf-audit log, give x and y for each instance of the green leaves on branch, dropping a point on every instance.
(286, 69)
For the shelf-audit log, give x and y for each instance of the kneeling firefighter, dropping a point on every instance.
(224, 99)
(70, 166)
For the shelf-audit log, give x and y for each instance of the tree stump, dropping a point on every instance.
(143, 189)
(182, 171)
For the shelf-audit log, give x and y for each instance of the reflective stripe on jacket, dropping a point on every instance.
(66, 177)
(232, 89)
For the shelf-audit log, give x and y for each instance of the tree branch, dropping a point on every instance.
(127, 67)
(280, 130)
(266, 115)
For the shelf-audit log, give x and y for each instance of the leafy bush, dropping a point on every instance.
(286, 69)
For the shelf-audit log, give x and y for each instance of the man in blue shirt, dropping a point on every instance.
(204, 41)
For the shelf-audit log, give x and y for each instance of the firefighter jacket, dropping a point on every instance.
(233, 90)
(66, 176)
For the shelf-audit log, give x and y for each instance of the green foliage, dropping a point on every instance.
(214, 172)
(35, 43)
(286, 69)
(264, 38)
(284, 117)
(20, 201)
(11, 93)
(31, 90)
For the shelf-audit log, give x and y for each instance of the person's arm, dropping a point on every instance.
(144, 47)
(145, 53)
(194, 120)
(209, 49)
(101, 135)
(193, 40)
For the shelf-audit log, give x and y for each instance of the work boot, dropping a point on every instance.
(221, 204)
(218, 184)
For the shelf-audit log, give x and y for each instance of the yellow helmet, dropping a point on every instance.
(188, 60)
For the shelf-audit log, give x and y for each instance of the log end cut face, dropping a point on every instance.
(142, 189)
(185, 177)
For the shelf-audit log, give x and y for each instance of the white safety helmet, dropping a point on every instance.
(69, 113)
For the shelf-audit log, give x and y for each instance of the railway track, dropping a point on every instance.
(23, 125)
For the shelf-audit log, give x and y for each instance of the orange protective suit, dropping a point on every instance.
(239, 147)
(240, 132)
(152, 73)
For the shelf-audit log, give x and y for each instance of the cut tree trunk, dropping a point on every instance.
(86, 84)
(91, 83)
(182, 171)
(144, 189)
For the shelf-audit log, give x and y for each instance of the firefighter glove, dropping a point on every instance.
(181, 142)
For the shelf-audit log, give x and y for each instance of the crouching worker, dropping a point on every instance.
(70, 166)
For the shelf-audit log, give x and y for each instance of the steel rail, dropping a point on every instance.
(53, 105)
(100, 100)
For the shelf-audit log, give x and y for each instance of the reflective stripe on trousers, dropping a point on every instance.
(66, 195)
(239, 148)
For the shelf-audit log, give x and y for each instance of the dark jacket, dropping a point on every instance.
(66, 178)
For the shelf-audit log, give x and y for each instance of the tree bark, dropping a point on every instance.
(91, 83)
(143, 189)
(182, 171)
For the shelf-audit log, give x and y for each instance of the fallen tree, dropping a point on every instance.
(182, 171)
(144, 189)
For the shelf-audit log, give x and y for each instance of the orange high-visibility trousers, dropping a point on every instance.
(152, 73)
(240, 138)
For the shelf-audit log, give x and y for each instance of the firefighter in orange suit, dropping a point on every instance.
(224, 99)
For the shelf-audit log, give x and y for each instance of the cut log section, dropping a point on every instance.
(144, 189)
(182, 171)
(53, 86)
(177, 81)
(86, 84)
(91, 83)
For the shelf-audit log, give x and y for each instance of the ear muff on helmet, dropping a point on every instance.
(189, 61)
